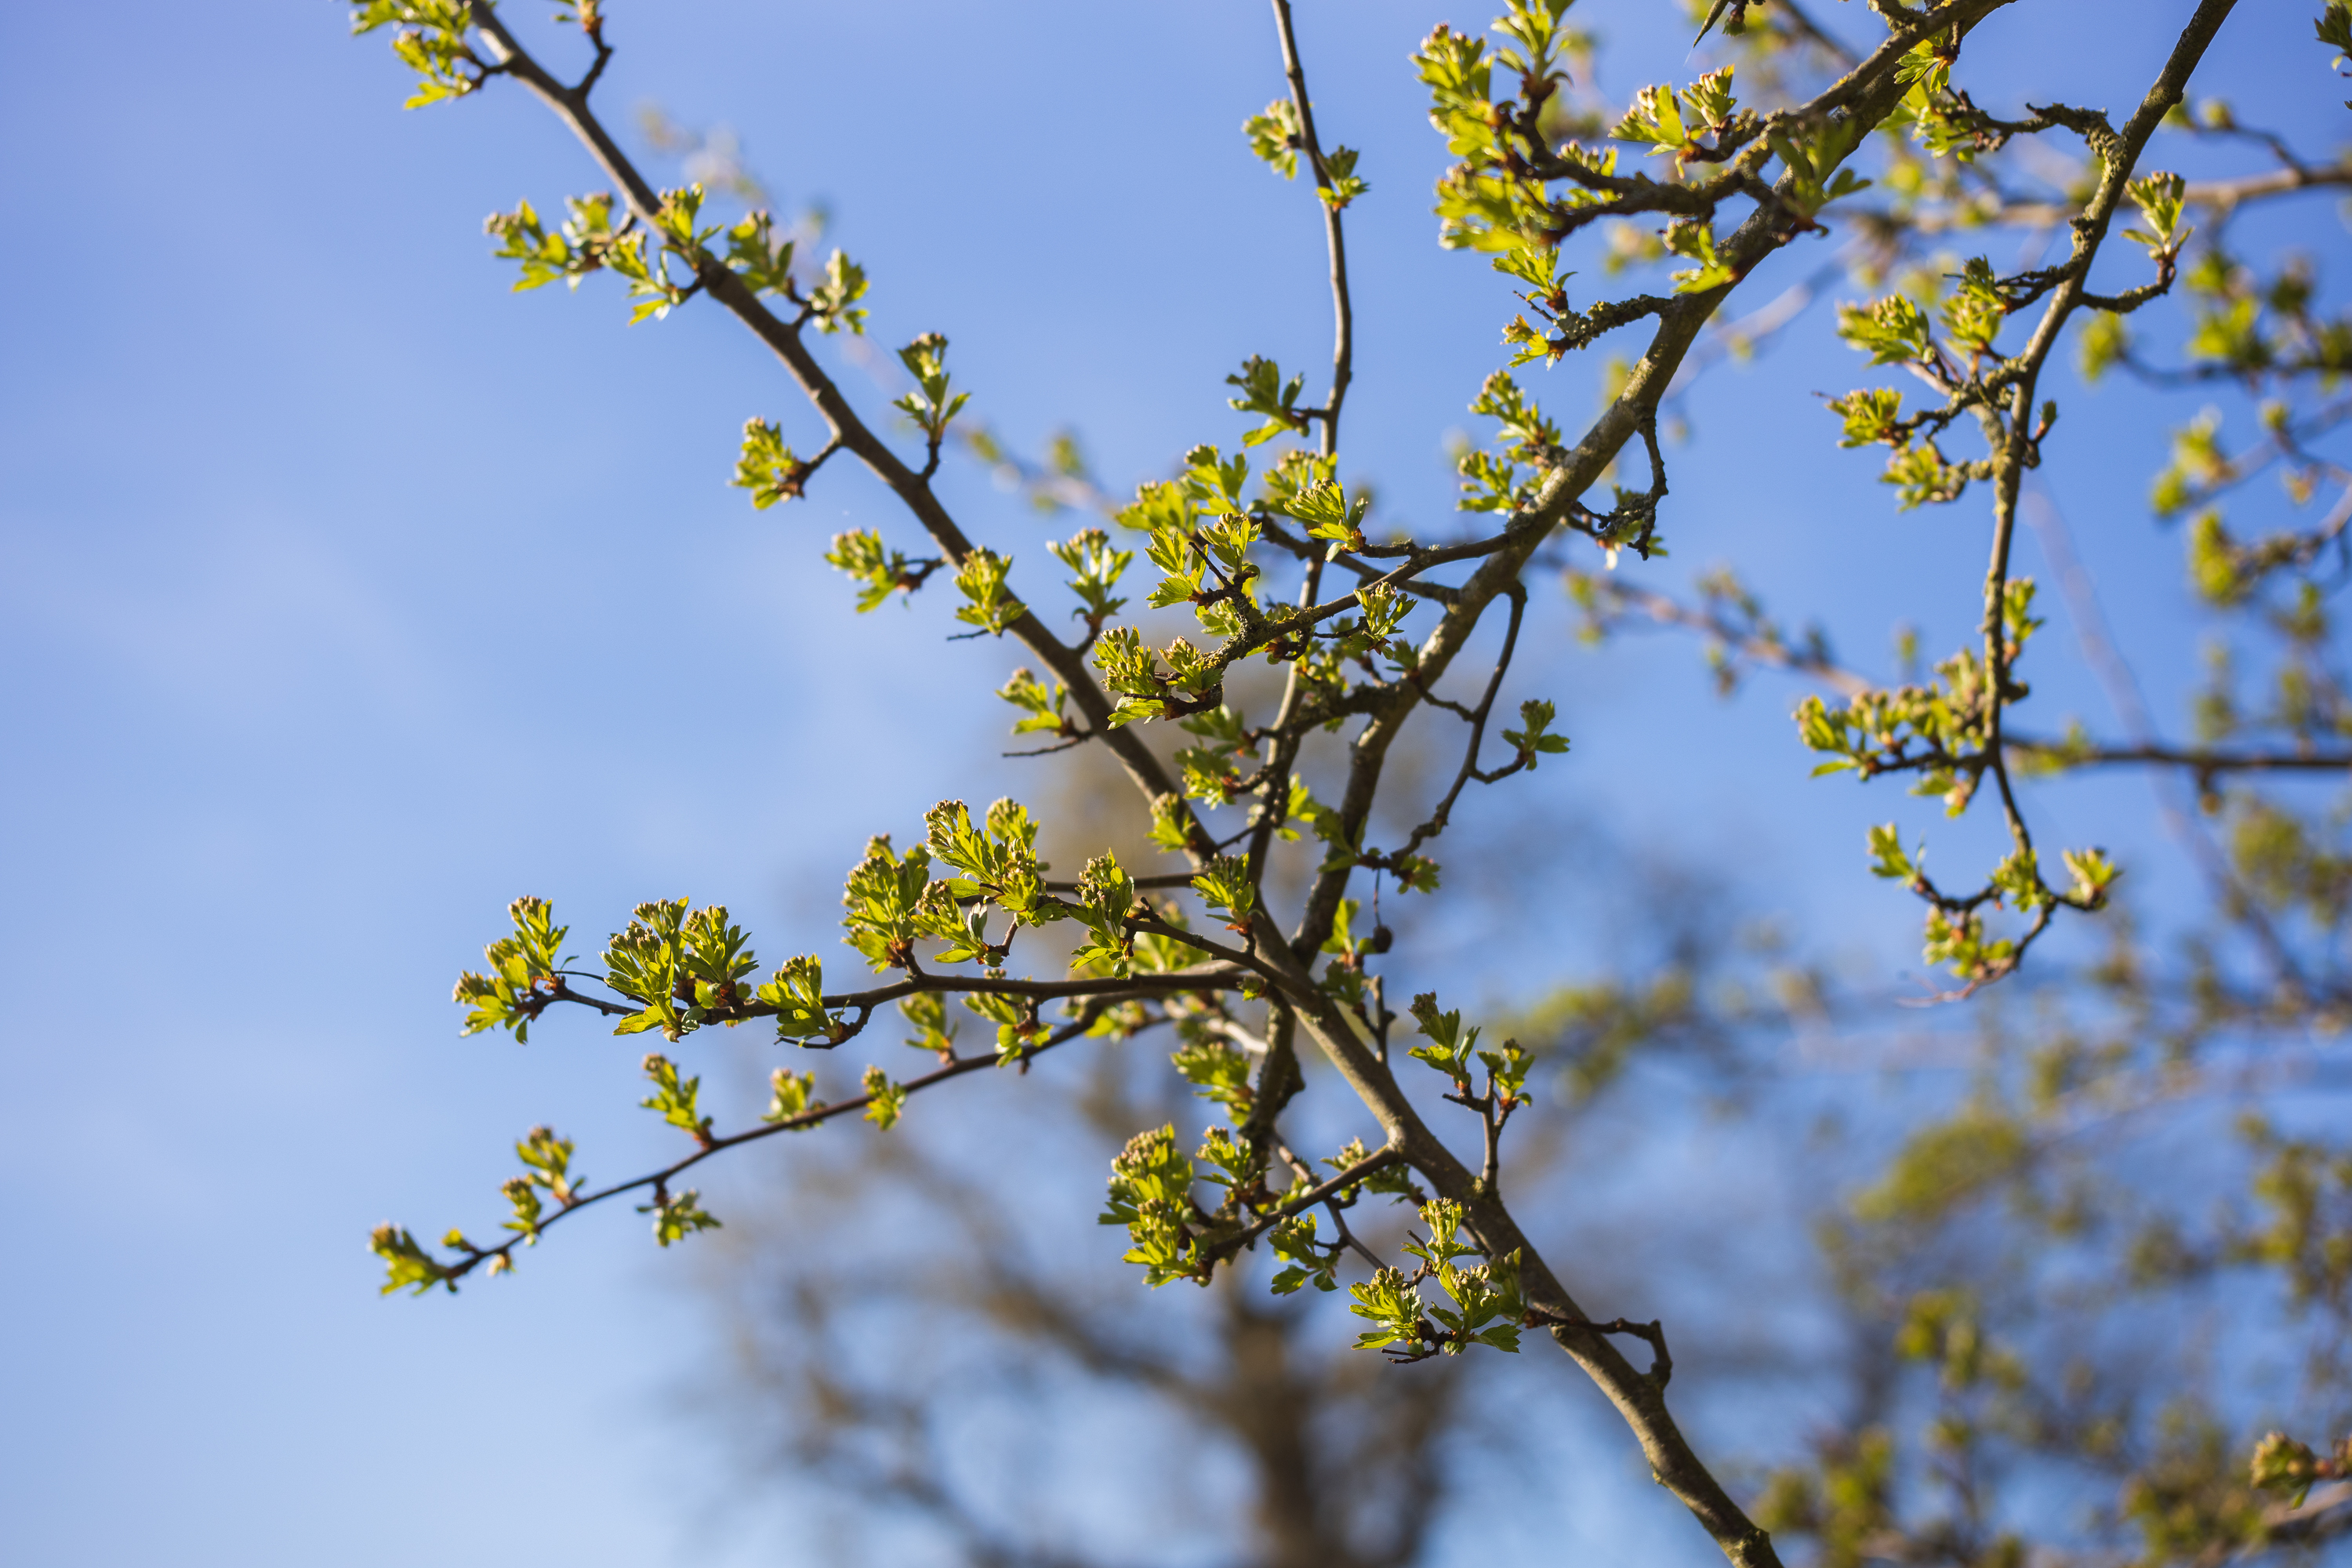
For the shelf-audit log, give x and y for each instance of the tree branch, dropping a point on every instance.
(842, 421)
(813, 1117)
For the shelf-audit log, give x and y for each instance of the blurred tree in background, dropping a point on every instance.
(2090, 1307)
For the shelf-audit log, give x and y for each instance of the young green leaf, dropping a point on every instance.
(674, 1097)
(1151, 1194)
(885, 1100)
(1274, 136)
(1224, 885)
(1534, 738)
(522, 977)
(677, 1216)
(789, 1094)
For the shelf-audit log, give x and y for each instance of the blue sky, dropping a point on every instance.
(344, 597)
